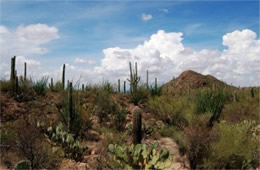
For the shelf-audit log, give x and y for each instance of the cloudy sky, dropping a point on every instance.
(97, 39)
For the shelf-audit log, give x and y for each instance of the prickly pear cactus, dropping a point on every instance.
(139, 156)
(23, 165)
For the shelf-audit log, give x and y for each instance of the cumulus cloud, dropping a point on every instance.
(26, 40)
(84, 61)
(165, 55)
(146, 17)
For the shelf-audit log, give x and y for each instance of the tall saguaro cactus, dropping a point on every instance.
(13, 76)
(63, 77)
(51, 84)
(83, 88)
(124, 86)
(25, 71)
(134, 79)
(118, 86)
(137, 127)
(155, 83)
(70, 105)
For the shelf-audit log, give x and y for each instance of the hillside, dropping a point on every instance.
(193, 80)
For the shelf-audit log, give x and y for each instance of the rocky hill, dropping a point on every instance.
(193, 80)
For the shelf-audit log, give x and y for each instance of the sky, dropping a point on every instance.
(97, 39)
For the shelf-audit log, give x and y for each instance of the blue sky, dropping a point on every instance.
(86, 28)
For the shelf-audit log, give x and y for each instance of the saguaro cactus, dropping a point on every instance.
(147, 79)
(63, 77)
(137, 127)
(252, 92)
(155, 83)
(118, 88)
(13, 76)
(70, 105)
(51, 84)
(25, 71)
(134, 79)
(124, 86)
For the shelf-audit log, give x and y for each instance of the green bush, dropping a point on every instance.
(104, 105)
(155, 91)
(139, 156)
(32, 145)
(140, 95)
(171, 110)
(210, 101)
(40, 86)
(235, 148)
(119, 118)
(5, 85)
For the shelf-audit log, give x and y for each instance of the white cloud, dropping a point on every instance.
(146, 17)
(3, 30)
(84, 61)
(26, 40)
(165, 56)
(37, 33)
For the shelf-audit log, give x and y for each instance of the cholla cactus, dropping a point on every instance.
(134, 79)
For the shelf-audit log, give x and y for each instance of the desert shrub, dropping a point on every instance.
(140, 95)
(197, 141)
(119, 118)
(40, 86)
(239, 111)
(107, 87)
(79, 120)
(210, 101)
(26, 91)
(172, 111)
(31, 145)
(139, 156)
(7, 136)
(58, 86)
(155, 91)
(5, 85)
(104, 105)
(235, 148)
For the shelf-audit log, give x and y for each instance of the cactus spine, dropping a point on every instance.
(147, 79)
(118, 86)
(70, 104)
(25, 71)
(63, 77)
(134, 79)
(137, 127)
(124, 86)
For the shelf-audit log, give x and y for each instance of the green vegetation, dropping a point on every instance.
(99, 126)
(139, 156)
